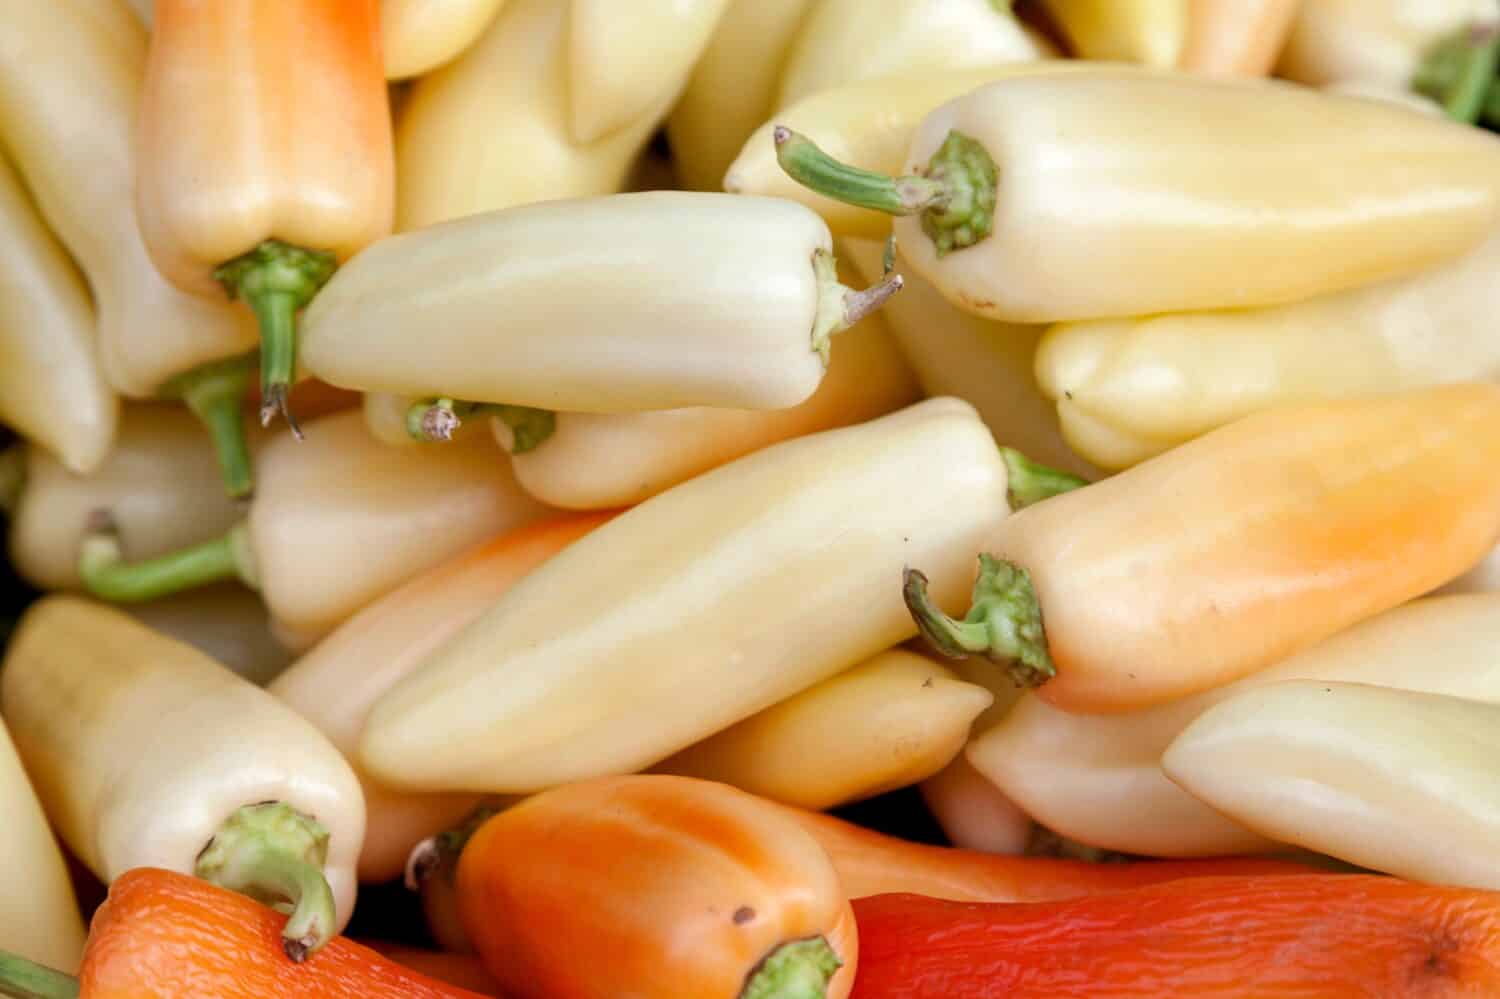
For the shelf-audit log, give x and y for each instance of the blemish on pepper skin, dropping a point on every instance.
(927, 682)
(743, 915)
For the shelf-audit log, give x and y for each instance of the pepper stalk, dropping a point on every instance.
(23, 979)
(438, 419)
(1459, 73)
(215, 393)
(106, 573)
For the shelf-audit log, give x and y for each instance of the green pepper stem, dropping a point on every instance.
(276, 279)
(1459, 73)
(1031, 482)
(12, 477)
(798, 969)
(1004, 622)
(814, 169)
(840, 306)
(528, 427)
(429, 420)
(275, 855)
(215, 392)
(106, 574)
(23, 979)
(954, 194)
(438, 855)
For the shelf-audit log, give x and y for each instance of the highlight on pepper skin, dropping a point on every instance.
(749, 499)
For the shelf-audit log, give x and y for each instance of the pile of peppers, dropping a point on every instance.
(760, 499)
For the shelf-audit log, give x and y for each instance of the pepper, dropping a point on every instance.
(227, 622)
(1394, 780)
(1283, 528)
(335, 684)
(871, 863)
(1235, 37)
(887, 723)
(1167, 379)
(145, 752)
(1374, 41)
(557, 680)
(515, 80)
(38, 913)
(654, 885)
(1211, 938)
(732, 88)
(1037, 199)
(723, 301)
(52, 388)
(162, 934)
(1152, 32)
(972, 812)
(603, 460)
(625, 61)
(418, 36)
(987, 364)
(870, 125)
(341, 519)
(265, 140)
(455, 969)
(159, 481)
(1098, 779)
(70, 79)
(844, 42)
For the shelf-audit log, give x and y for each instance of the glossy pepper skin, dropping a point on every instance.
(1153, 32)
(162, 934)
(265, 139)
(655, 886)
(1283, 528)
(806, 537)
(1126, 389)
(1330, 936)
(1394, 780)
(146, 752)
(418, 36)
(1099, 779)
(335, 683)
(52, 385)
(1236, 37)
(1030, 220)
(872, 863)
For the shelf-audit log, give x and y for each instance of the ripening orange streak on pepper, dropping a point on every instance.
(266, 155)
(1329, 936)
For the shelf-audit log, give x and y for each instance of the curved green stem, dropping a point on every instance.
(955, 193)
(1004, 622)
(12, 477)
(275, 855)
(798, 969)
(23, 979)
(1029, 482)
(106, 574)
(215, 392)
(840, 306)
(276, 279)
(1460, 74)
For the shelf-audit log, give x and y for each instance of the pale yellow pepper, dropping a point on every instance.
(461, 129)
(52, 385)
(418, 36)
(146, 753)
(845, 42)
(595, 461)
(39, 917)
(974, 813)
(632, 302)
(732, 89)
(987, 364)
(891, 721)
(1085, 196)
(1236, 37)
(627, 60)
(159, 480)
(1373, 41)
(1097, 778)
(1398, 781)
(1165, 379)
(1152, 32)
(340, 519)
(780, 572)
